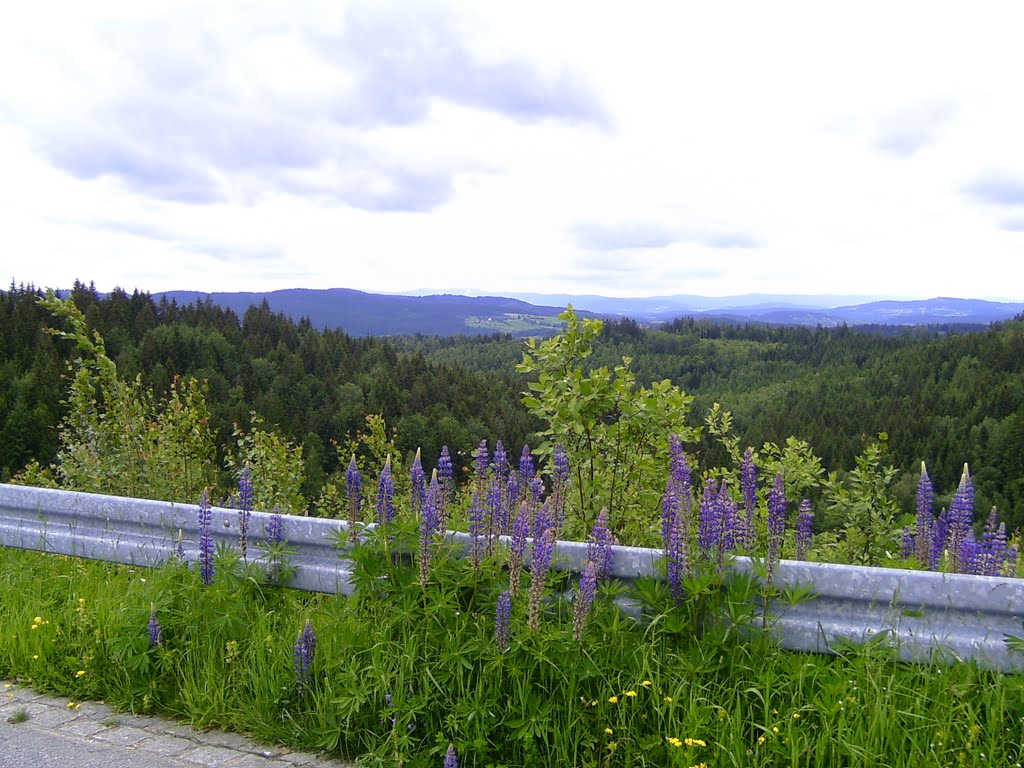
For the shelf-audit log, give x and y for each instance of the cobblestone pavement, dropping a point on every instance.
(55, 732)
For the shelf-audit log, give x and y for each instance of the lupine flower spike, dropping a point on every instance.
(451, 760)
(804, 525)
(776, 523)
(429, 528)
(961, 515)
(418, 482)
(502, 621)
(205, 540)
(155, 631)
(354, 494)
(599, 547)
(925, 518)
(542, 553)
(584, 599)
(303, 657)
(244, 508)
(517, 548)
(385, 495)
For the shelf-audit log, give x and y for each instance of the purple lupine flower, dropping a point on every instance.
(155, 630)
(275, 527)
(535, 494)
(418, 493)
(205, 540)
(804, 529)
(961, 515)
(541, 520)
(303, 655)
(502, 621)
(559, 485)
(708, 520)
(939, 531)
(517, 548)
(477, 530)
(275, 535)
(599, 545)
(480, 465)
(925, 518)
(584, 599)
(430, 520)
(972, 555)
(682, 489)
(776, 523)
(673, 542)
(1000, 551)
(906, 543)
(353, 497)
(450, 759)
(526, 470)
(385, 495)
(993, 546)
(493, 512)
(499, 462)
(729, 533)
(446, 476)
(244, 509)
(542, 553)
(509, 504)
(748, 490)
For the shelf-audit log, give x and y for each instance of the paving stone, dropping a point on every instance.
(209, 756)
(226, 739)
(125, 736)
(54, 717)
(82, 726)
(159, 744)
(259, 761)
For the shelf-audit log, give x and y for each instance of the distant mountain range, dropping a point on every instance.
(373, 314)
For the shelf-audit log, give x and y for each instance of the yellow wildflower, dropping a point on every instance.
(613, 699)
(647, 683)
(668, 699)
(796, 715)
(775, 729)
(608, 731)
(674, 741)
(80, 673)
(631, 694)
(760, 740)
(695, 742)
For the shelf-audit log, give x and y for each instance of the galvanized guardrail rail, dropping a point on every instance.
(925, 615)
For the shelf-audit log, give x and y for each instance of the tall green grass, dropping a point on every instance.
(401, 671)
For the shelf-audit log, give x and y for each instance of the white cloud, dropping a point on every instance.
(570, 147)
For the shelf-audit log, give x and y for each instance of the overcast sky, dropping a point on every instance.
(622, 149)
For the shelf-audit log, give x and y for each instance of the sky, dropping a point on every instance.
(610, 148)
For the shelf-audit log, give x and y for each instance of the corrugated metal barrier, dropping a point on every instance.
(926, 615)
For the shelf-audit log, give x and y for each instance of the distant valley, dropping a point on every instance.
(372, 314)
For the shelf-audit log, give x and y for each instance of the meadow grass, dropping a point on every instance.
(400, 671)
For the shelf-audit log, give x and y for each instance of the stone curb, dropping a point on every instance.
(167, 742)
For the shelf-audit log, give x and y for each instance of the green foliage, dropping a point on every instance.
(863, 502)
(276, 466)
(117, 438)
(616, 432)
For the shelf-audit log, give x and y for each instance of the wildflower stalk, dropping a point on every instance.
(542, 552)
(205, 540)
(244, 510)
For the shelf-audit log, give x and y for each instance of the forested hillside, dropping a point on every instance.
(944, 396)
(316, 387)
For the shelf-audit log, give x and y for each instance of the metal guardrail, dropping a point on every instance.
(926, 615)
